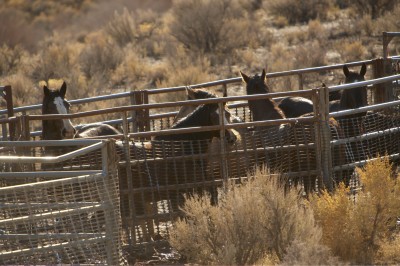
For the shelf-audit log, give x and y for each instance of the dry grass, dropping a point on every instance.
(362, 231)
(298, 11)
(257, 222)
(353, 51)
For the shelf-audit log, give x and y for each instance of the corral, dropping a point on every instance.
(85, 204)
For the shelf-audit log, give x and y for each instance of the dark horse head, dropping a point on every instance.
(192, 94)
(203, 115)
(262, 109)
(356, 97)
(54, 102)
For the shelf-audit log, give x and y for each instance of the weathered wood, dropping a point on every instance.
(382, 91)
(111, 207)
(325, 138)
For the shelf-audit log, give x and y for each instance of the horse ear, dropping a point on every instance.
(190, 93)
(46, 90)
(263, 74)
(346, 71)
(245, 78)
(363, 69)
(63, 89)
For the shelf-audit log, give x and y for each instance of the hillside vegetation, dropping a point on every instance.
(100, 46)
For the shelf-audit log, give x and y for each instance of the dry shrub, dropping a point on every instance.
(374, 8)
(132, 27)
(389, 250)
(355, 230)
(186, 71)
(280, 22)
(100, 57)
(353, 51)
(316, 31)
(366, 26)
(133, 70)
(122, 28)
(10, 58)
(390, 21)
(16, 29)
(298, 11)
(56, 59)
(311, 54)
(214, 28)
(24, 92)
(252, 222)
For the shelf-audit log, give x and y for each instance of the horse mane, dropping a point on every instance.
(193, 94)
(195, 116)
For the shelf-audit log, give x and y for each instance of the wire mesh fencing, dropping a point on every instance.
(61, 216)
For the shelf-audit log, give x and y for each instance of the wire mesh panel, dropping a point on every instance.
(367, 135)
(71, 218)
(161, 173)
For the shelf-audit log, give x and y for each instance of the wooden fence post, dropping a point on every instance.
(130, 219)
(109, 196)
(383, 91)
(300, 78)
(224, 168)
(10, 110)
(325, 138)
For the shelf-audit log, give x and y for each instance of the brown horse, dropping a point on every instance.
(54, 102)
(171, 165)
(197, 94)
(352, 125)
(351, 98)
(269, 138)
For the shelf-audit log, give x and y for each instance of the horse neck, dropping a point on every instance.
(265, 109)
(49, 131)
(200, 117)
(353, 98)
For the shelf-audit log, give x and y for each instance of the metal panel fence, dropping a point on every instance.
(153, 177)
(63, 216)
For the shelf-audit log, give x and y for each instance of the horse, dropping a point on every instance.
(351, 98)
(96, 130)
(295, 106)
(170, 165)
(269, 137)
(192, 94)
(352, 124)
(55, 102)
